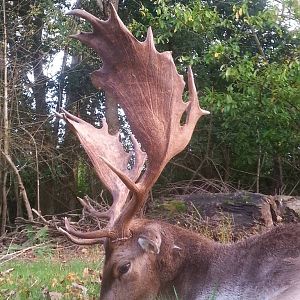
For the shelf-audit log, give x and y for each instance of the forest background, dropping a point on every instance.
(245, 57)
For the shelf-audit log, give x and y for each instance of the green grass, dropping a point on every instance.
(29, 278)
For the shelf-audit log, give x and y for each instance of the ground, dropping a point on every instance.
(36, 262)
(51, 272)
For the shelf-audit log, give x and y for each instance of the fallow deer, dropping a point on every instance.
(146, 259)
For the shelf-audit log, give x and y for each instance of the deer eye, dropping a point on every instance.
(124, 268)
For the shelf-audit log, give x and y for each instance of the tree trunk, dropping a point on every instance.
(242, 212)
(5, 123)
(4, 203)
(110, 103)
(19, 212)
(258, 168)
(40, 80)
(22, 189)
(277, 174)
(61, 88)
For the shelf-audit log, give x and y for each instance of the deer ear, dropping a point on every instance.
(150, 243)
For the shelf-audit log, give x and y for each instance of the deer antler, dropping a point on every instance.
(147, 86)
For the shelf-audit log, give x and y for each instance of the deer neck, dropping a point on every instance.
(187, 258)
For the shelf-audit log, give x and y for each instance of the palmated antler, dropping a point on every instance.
(147, 86)
(100, 143)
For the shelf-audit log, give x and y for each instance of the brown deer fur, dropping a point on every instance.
(262, 267)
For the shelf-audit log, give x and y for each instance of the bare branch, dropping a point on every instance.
(21, 185)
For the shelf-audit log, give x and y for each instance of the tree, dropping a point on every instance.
(27, 46)
(246, 58)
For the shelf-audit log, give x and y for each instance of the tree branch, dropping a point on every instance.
(258, 44)
(20, 183)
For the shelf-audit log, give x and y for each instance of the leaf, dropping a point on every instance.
(241, 11)
(54, 282)
(71, 277)
(3, 273)
(51, 295)
(80, 288)
(55, 296)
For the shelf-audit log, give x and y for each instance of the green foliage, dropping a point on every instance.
(36, 236)
(174, 206)
(37, 239)
(82, 178)
(246, 59)
(170, 18)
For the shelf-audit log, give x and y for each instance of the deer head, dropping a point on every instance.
(147, 86)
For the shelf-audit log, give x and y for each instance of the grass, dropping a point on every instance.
(51, 277)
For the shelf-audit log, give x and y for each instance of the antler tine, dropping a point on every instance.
(91, 210)
(81, 241)
(102, 233)
(81, 13)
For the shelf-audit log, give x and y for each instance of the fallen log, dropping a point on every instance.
(248, 212)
